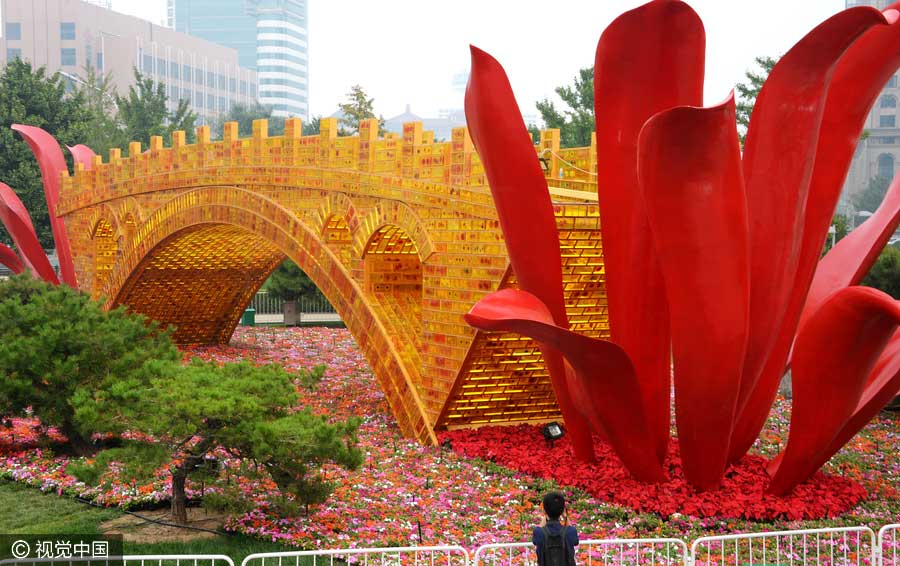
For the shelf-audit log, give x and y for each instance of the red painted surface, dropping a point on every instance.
(82, 154)
(851, 258)
(648, 60)
(690, 165)
(10, 259)
(836, 349)
(526, 213)
(857, 80)
(17, 222)
(52, 164)
(612, 389)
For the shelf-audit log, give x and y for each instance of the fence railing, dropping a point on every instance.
(844, 546)
(825, 547)
(393, 556)
(889, 545)
(129, 560)
(592, 552)
(264, 303)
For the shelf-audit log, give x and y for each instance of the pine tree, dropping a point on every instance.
(247, 410)
(59, 346)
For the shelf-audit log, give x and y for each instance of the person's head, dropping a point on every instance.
(554, 504)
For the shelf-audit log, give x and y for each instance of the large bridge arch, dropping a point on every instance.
(222, 221)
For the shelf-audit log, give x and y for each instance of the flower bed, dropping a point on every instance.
(405, 493)
(741, 496)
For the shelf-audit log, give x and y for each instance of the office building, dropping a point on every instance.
(270, 36)
(878, 152)
(67, 35)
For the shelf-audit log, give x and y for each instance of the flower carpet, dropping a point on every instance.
(488, 487)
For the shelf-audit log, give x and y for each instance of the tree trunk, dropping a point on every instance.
(78, 444)
(179, 511)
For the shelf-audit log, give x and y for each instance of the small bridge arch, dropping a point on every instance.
(248, 235)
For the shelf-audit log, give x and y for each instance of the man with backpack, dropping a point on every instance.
(554, 541)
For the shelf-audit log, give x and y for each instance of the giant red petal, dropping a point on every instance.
(51, 162)
(693, 187)
(82, 154)
(883, 384)
(526, 213)
(778, 168)
(10, 259)
(648, 60)
(611, 384)
(848, 262)
(835, 351)
(17, 222)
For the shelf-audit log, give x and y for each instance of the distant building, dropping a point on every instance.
(101, 3)
(270, 36)
(878, 154)
(66, 35)
(441, 126)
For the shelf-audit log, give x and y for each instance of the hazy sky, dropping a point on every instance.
(408, 51)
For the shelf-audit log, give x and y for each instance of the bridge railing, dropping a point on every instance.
(413, 155)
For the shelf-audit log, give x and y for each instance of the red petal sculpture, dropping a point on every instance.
(690, 167)
(834, 353)
(883, 385)
(858, 77)
(851, 258)
(9, 258)
(777, 189)
(17, 222)
(50, 160)
(612, 389)
(648, 60)
(82, 154)
(526, 213)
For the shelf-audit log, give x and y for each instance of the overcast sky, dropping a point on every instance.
(408, 51)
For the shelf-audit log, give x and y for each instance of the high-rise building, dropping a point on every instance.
(68, 35)
(270, 36)
(878, 152)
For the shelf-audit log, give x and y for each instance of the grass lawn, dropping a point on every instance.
(25, 510)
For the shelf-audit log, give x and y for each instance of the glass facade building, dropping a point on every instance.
(270, 36)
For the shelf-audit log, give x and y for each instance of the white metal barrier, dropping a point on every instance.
(392, 556)
(889, 545)
(591, 552)
(130, 560)
(821, 547)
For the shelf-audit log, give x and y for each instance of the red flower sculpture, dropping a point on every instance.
(18, 223)
(711, 255)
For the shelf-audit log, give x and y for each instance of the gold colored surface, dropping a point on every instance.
(400, 233)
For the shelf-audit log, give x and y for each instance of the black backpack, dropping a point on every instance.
(556, 551)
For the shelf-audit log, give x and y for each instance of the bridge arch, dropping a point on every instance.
(397, 214)
(107, 241)
(191, 227)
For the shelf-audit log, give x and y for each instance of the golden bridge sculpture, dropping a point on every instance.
(400, 233)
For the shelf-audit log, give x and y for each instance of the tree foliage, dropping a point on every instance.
(143, 112)
(59, 346)
(885, 274)
(103, 129)
(357, 108)
(576, 120)
(290, 283)
(748, 91)
(871, 196)
(247, 410)
(33, 97)
(245, 114)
